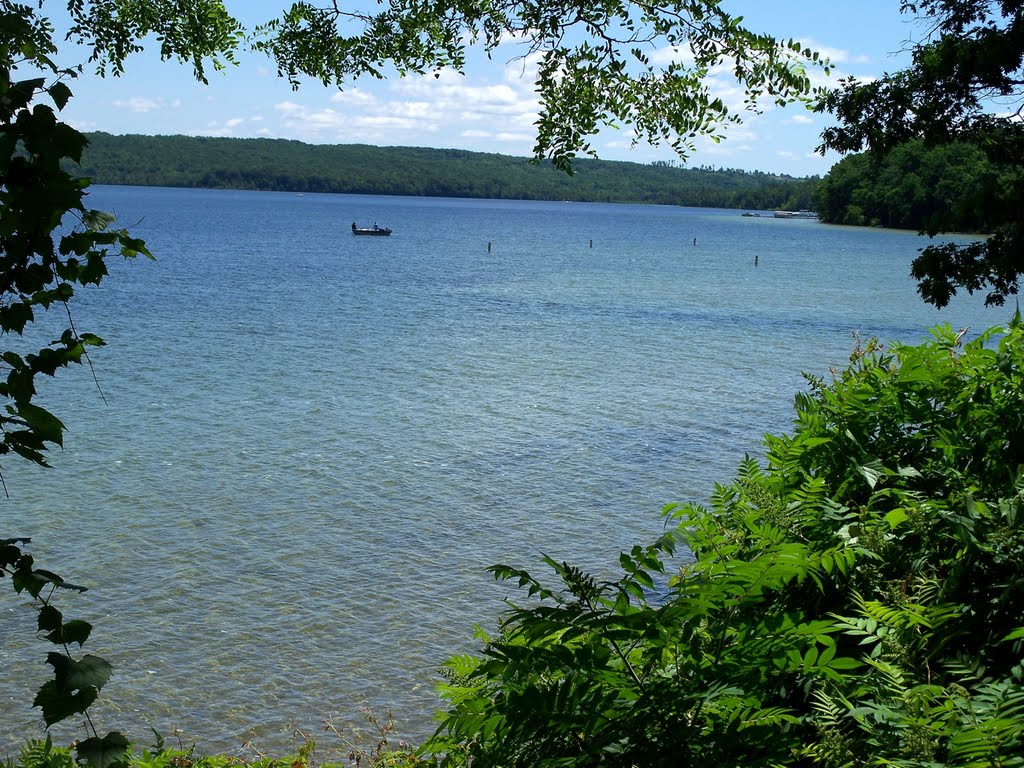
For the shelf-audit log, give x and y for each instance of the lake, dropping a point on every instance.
(309, 446)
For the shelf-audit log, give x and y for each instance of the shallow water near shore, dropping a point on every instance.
(309, 446)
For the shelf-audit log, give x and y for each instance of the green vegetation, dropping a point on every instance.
(41, 269)
(915, 186)
(963, 89)
(277, 164)
(76, 682)
(380, 753)
(856, 601)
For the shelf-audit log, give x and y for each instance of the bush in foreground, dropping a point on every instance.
(857, 601)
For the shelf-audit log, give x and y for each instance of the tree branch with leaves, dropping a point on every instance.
(606, 64)
(964, 86)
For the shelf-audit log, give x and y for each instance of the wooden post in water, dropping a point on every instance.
(755, 259)
(591, 243)
(488, 247)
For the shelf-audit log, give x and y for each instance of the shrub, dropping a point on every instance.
(856, 600)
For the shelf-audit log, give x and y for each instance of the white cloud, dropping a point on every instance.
(442, 102)
(513, 38)
(802, 120)
(450, 94)
(680, 54)
(522, 71)
(399, 122)
(517, 137)
(353, 97)
(836, 55)
(619, 144)
(414, 109)
(141, 104)
(229, 127)
(392, 123)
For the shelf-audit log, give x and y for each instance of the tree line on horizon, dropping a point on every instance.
(293, 166)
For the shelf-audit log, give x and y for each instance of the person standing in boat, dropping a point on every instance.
(353, 226)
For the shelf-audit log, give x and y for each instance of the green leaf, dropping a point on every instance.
(89, 671)
(872, 472)
(49, 619)
(60, 94)
(845, 662)
(58, 704)
(44, 423)
(74, 631)
(895, 517)
(109, 752)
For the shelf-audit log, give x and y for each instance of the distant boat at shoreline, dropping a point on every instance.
(802, 214)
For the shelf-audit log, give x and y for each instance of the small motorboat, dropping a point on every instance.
(374, 230)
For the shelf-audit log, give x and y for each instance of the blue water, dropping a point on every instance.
(309, 446)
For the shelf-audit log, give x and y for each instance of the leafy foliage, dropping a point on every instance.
(593, 60)
(43, 754)
(193, 31)
(49, 244)
(930, 189)
(76, 683)
(39, 271)
(855, 601)
(962, 88)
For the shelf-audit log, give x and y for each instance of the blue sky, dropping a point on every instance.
(489, 109)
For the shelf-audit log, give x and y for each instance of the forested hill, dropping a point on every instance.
(278, 164)
(945, 188)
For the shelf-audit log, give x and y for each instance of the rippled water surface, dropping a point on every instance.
(313, 444)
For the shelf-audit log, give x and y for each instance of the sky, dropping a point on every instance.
(492, 107)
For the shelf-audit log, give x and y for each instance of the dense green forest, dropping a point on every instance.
(915, 186)
(278, 164)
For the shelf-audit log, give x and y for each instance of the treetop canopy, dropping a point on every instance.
(644, 67)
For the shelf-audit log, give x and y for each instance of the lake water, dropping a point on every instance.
(313, 444)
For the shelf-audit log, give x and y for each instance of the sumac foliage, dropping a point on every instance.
(854, 600)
